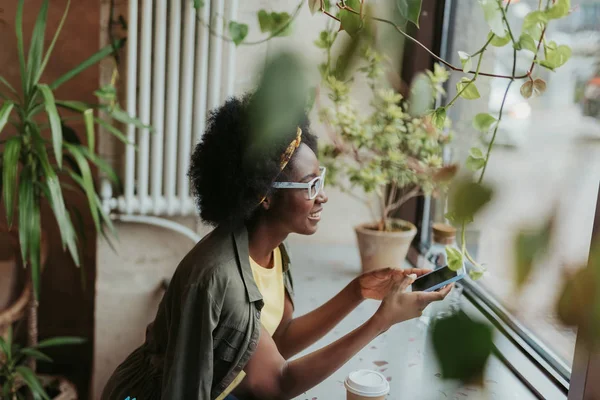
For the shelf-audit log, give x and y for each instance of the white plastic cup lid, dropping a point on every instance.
(365, 382)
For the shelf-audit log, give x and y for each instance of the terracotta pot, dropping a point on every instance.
(380, 249)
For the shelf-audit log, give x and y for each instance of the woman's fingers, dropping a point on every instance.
(406, 282)
(417, 271)
(439, 295)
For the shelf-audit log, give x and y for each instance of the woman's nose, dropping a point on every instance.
(322, 197)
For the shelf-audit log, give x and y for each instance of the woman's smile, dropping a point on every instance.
(315, 216)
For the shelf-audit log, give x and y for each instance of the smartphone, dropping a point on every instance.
(437, 279)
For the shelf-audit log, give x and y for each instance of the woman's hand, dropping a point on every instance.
(399, 306)
(377, 284)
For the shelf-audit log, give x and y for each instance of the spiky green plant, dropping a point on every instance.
(35, 166)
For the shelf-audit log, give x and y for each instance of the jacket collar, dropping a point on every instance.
(240, 237)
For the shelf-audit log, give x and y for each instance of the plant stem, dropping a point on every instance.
(435, 56)
(331, 15)
(32, 326)
(271, 36)
(481, 53)
(489, 150)
(537, 51)
(508, 25)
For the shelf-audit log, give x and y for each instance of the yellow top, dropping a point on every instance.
(270, 285)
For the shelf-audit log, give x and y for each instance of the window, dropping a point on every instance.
(546, 161)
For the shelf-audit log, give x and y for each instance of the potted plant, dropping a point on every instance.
(16, 377)
(393, 151)
(41, 158)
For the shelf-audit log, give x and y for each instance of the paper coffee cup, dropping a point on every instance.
(365, 384)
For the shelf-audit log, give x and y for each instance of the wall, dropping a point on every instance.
(66, 307)
(128, 282)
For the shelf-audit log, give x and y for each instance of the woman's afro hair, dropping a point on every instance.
(229, 172)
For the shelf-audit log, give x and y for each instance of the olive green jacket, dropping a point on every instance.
(206, 328)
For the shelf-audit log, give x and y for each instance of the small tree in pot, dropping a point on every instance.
(394, 152)
(41, 158)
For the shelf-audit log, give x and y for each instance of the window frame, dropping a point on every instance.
(586, 365)
(538, 367)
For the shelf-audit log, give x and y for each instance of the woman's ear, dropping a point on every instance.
(266, 204)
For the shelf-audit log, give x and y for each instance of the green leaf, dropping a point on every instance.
(20, 44)
(100, 163)
(476, 152)
(29, 226)
(11, 159)
(281, 23)
(4, 346)
(350, 21)
(36, 46)
(467, 89)
(347, 58)
(107, 221)
(265, 21)
(88, 182)
(198, 4)
(466, 61)
(57, 202)
(560, 9)
(462, 347)
(467, 199)
(475, 164)
(279, 101)
(5, 113)
(107, 92)
(421, 95)
(532, 23)
(55, 125)
(499, 41)
(56, 35)
(60, 341)
(38, 355)
(117, 133)
(88, 116)
(121, 116)
(410, 10)
(493, 16)
(455, 258)
(539, 86)
(7, 84)
(238, 32)
(530, 245)
(32, 381)
(94, 59)
(438, 118)
(476, 273)
(528, 43)
(579, 302)
(527, 89)
(314, 6)
(73, 105)
(483, 122)
(556, 56)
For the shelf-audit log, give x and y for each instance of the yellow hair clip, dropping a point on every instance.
(288, 153)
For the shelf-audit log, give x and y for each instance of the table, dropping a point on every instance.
(403, 354)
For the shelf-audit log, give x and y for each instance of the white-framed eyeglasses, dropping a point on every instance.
(314, 187)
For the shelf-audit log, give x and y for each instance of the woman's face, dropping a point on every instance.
(292, 207)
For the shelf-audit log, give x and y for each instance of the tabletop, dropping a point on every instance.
(403, 354)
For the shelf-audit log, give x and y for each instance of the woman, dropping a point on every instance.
(224, 329)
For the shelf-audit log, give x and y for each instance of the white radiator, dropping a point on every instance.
(176, 72)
